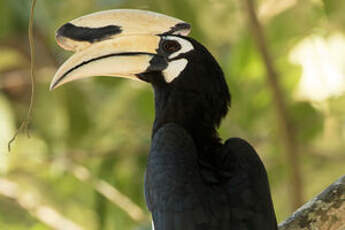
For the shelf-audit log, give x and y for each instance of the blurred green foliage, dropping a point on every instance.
(105, 124)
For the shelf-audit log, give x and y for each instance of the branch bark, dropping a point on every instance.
(325, 212)
(288, 134)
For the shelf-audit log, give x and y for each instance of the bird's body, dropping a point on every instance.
(183, 193)
(193, 181)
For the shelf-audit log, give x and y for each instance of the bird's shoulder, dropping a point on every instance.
(245, 181)
(240, 156)
(173, 186)
(173, 143)
(172, 170)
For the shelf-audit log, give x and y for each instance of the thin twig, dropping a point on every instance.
(24, 126)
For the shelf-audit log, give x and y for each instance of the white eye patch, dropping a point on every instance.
(186, 46)
(174, 69)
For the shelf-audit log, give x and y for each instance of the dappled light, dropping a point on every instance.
(322, 61)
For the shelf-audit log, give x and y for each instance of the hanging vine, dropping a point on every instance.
(24, 126)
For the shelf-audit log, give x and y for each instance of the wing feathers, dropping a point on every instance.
(181, 194)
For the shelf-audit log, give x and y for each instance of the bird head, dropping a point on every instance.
(144, 46)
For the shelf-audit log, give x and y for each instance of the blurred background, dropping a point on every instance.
(83, 165)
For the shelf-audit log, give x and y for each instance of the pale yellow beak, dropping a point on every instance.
(121, 57)
(86, 30)
(116, 43)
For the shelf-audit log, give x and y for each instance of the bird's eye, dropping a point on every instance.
(171, 46)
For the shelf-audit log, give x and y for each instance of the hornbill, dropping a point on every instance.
(193, 180)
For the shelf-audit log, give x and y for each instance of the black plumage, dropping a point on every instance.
(193, 180)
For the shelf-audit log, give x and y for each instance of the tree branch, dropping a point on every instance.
(288, 134)
(108, 191)
(43, 213)
(325, 212)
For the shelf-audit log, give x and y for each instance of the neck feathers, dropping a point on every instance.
(191, 110)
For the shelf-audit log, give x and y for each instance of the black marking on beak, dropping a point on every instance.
(91, 35)
(160, 63)
(178, 27)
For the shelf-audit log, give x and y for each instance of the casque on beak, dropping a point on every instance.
(116, 43)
